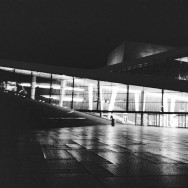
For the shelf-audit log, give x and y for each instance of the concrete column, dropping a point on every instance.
(142, 106)
(172, 105)
(112, 100)
(136, 99)
(62, 92)
(90, 96)
(172, 116)
(33, 86)
(165, 117)
(127, 104)
(113, 97)
(101, 101)
(165, 104)
(50, 94)
(72, 102)
(162, 101)
(143, 103)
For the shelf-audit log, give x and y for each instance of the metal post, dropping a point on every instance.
(50, 89)
(72, 93)
(162, 101)
(135, 118)
(142, 106)
(98, 95)
(90, 96)
(62, 92)
(14, 79)
(33, 85)
(127, 105)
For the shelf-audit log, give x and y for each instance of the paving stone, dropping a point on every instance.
(64, 164)
(122, 158)
(156, 158)
(56, 154)
(96, 169)
(146, 182)
(54, 146)
(83, 155)
(143, 169)
(94, 156)
(74, 181)
(75, 146)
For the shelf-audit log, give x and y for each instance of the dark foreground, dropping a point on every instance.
(95, 156)
(86, 156)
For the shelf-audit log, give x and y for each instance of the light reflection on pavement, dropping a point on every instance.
(96, 156)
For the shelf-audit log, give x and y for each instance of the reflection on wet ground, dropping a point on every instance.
(94, 156)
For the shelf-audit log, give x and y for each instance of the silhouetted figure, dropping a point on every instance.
(113, 121)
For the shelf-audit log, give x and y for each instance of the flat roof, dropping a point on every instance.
(105, 75)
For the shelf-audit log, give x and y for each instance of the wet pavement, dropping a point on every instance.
(94, 156)
(90, 153)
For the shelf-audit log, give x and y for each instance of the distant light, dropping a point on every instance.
(23, 71)
(184, 59)
(7, 69)
(56, 97)
(25, 84)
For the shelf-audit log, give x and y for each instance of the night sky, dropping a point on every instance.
(81, 33)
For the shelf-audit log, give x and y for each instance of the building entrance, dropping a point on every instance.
(154, 120)
(181, 120)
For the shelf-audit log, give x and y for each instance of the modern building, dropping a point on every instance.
(148, 88)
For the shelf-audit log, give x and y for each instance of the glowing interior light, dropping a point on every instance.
(48, 86)
(62, 91)
(25, 84)
(184, 59)
(101, 101)
(65, 98)
(153, 94)
(136, 101)
(57, 76)
(173, 120)
(113, 97)
(63, 77)
(7, 69)
(75, 88)
(172, 105)
(134, 91)
(84, 82)
(90, 91)
(27, 72)
(176, 97)
(42, 74)
(165, 104)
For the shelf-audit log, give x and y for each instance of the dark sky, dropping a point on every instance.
(81, 33)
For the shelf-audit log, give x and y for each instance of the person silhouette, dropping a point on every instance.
(112, 121)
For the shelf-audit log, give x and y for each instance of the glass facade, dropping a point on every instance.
(131, 104)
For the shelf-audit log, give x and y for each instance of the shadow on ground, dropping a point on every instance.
(23, 113)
